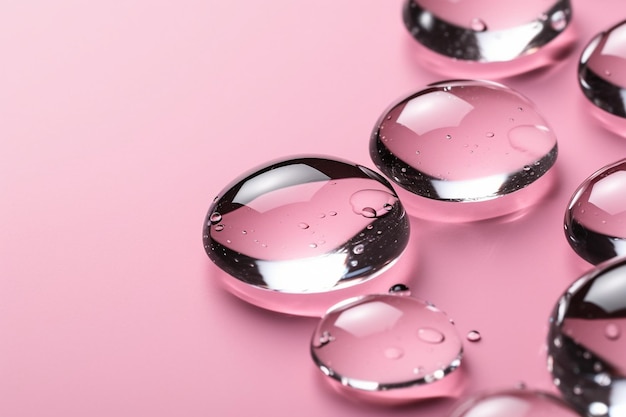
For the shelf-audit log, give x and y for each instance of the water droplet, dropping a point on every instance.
(598, 408)
(558, 20)
(394, 353)
(400, 289)
(589, 364)
(517, 38)
(478, 25)
(600, 197)
(368, 212)
(376, 355)
(602, 77)
(473, 336)
(612, 331)
(358, 249)
(430, 335)
(448, 136)
(514, 402)
(215, 217)
(468, 109)
(354, 263)
(270, 216)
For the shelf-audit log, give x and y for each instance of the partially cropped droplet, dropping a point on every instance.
(503, 173)
(400, 289)
(282, 246)
(590, 364)
(602, 77)
(473, 336)
(514, 403)
(379, 356)
(490, 38)
(595, 220)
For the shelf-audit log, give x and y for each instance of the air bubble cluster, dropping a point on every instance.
(586, 344)
(302, 227)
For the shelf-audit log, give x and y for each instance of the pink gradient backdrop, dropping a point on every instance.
(119, 123)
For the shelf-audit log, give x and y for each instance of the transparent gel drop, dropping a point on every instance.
(602, 77)
(489, 38)
(514, 403)
(388, 347)
(585, 350)
(595, 220)
(299, 235)
(477, 143)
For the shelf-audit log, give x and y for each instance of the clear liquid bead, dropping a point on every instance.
(388, 347)
(489, 38)
(602, 77)
(585, 347)
(514, 403)
(473, 142)
(299, 235)
(595, 220)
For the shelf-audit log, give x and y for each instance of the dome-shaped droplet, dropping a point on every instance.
(400, 289)
(589, 361)
(595, 220)
(602, 77)
(489, 38)
(288, 233)
(514, 403)
(473, 336)
(388, 347)
(495, 149)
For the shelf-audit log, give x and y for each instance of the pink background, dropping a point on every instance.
(119, 123)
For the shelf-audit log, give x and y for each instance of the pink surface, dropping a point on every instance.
(120, 122)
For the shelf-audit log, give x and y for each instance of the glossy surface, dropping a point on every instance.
(487, 36)
(586, 345)
(391, 346)
(465, 142)
(602, 77)
(304, 226)
(595, 220)
(514, 403)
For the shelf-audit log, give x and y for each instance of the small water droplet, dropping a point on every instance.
(219, 228)
(603, 379)
(598, 409)
(400, 289)
(473, 336)
(430, 335)
(303, 225)
(577, 390)
(313, 245)
(612, 331)
(490, 134)
(478, 25)
(358, 249)
(448, 136)
(332, 213)
(244, 232)
(558, 20)
(394, 353)
(215, 217)
(354, 263)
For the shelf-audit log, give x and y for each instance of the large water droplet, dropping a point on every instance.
(590, 366)
(511, 159)
(595, 220)
(602, 77)
(514, 403)
(504, 40)
(378, 352)
(283, 242)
